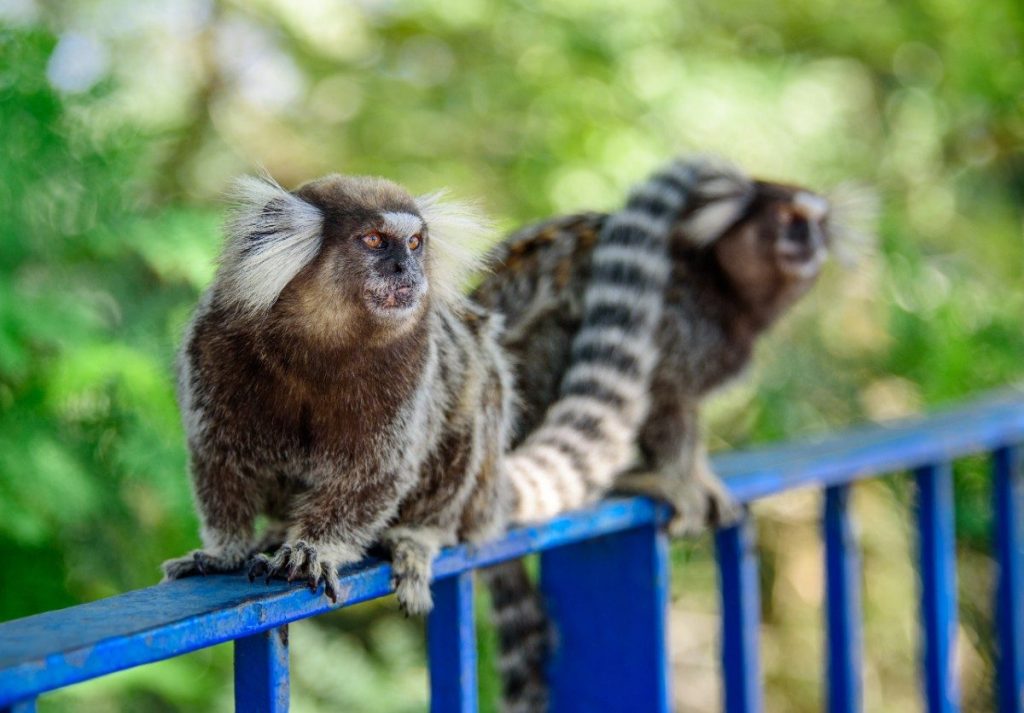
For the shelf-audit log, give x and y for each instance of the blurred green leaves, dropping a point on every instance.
(121, 123)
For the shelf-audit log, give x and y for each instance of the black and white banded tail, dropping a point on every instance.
(587, 435)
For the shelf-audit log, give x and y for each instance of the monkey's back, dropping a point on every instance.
(536, 281)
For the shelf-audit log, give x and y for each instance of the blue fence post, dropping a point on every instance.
(608, 600)
(451, 646)
(261, 672)
(1008, 506)
(937, 563)
(843, 610)
(28, 706)
(739, 589)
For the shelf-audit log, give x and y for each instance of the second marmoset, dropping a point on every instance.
(742, 252)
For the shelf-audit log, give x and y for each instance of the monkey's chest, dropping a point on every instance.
(698, 352)
(293, 427)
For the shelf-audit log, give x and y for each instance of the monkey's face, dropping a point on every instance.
(373, 256)
(379, 260)
(775, 252)
(345, 258)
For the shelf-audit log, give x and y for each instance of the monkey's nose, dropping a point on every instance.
(799, 231)
(398, 267)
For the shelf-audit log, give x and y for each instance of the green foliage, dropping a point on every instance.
(110, 196)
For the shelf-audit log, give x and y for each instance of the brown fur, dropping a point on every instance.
(362, 399)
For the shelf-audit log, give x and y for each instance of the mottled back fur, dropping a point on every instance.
(584, 330)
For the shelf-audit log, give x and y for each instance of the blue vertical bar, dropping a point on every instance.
(26, 706)
(261, 672)
(741, 617)
(937, 563)
(608, 600)
(451, 646)
(1008, 506)
(843, 611)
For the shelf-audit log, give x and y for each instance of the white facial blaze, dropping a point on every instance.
(402, 225)
(813, 207)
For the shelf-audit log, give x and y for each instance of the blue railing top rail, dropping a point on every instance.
(974, 427)
(54, 649)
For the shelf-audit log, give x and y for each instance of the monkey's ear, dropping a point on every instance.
(271, 235)
(460, 235)
(721, 195)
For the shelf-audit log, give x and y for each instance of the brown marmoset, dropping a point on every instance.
(742, 252)
(331, 367)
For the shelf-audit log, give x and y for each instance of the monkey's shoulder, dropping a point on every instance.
(533, 270)
(542, 247)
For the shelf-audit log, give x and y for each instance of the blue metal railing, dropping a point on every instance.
(604, 573)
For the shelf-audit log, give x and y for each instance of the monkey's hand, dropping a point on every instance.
(199, 562)
(698, 498)
(299, 560)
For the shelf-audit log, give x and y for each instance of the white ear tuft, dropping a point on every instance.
(271, 236)
(721, 193)
(853, 222)
(459, 238)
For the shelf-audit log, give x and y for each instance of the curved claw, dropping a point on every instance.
(298, 561)
(332, 585)
(179, 568)
(199, 562)
(303, 558)
(258, 565)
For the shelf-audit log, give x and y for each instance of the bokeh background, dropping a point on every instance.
(122, 122)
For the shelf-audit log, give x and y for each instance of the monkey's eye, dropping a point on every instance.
(373, 240)
(414, 242)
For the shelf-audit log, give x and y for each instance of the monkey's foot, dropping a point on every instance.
(699, 500)
(411, 564)
(199, 562)
(298, 560)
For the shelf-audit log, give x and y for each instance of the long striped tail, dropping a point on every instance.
(587, 436)
(525, 638)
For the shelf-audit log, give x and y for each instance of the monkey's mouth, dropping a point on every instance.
(802, 263)
(393, 298)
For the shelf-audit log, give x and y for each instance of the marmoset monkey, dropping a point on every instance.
(742, 252)
(332, 365)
